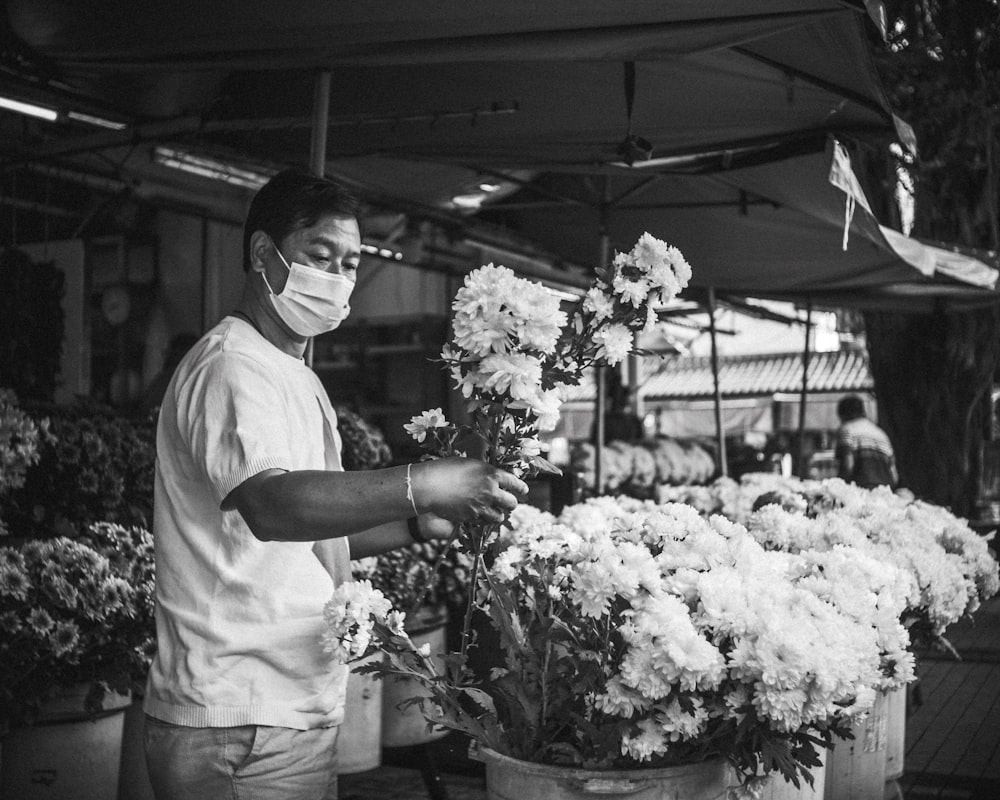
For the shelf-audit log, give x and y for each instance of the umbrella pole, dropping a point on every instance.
(603, 247)
(805, 391)
(317, 146)
(720, 433)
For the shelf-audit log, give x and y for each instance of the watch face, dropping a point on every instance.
(116, 304)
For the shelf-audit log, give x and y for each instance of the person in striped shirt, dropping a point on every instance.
(864, 452)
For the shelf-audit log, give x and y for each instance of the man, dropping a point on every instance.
(255, 522)
(864, 453)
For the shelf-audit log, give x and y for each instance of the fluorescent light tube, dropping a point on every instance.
(209, 168)
(100, 122)
(49, 114)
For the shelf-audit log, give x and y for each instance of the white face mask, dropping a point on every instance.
(312, 301)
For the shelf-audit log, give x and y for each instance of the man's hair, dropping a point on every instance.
(294, 199)
(850, 407)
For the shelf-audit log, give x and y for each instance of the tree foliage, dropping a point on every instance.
(934, 372)
(942, 68)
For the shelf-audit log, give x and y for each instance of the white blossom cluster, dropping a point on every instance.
(948, 567)
(514, 350)
(349, 617)
(711, 624)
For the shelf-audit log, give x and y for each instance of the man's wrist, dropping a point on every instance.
(413, 526)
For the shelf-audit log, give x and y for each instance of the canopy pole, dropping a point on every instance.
(320, 124)
(603, 248)
(317, 147)
(805, 391)
(720, 433)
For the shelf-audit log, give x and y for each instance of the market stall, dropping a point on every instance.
(525, 99)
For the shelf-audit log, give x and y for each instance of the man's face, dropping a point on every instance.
(332, 245)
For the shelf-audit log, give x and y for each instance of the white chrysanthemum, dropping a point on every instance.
(545, 405)
(599, 303)
(515, 374)
(647, 252)
(631, 291)
(680, 725)
(538, 318)
(490, 331)
(620, 700)
(614, 342)
(666, 650)
(648, 742)
(349, 616)
(419, 425)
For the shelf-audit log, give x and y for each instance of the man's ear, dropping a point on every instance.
(260, 246)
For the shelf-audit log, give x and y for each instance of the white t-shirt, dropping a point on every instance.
(238, 620)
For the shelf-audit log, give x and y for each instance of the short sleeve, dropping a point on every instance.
(230, 413)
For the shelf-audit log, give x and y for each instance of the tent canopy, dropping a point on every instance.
(526, 85)
(706, 123)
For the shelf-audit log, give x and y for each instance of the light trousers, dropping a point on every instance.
(249, 762)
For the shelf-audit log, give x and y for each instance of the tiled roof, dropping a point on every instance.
(841, 371)
(678, 377)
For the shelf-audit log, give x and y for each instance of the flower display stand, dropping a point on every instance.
(895, 743)
(511, 779)
(855, 768)
(359, 743)
(68, 754)
(406, 727)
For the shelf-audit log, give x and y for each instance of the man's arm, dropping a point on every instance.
(308, 505)
(393, 535)
(845, 455)
(845, 461)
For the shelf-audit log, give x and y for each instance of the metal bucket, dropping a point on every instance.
(512, 779)
(855, 768)
(359, 742)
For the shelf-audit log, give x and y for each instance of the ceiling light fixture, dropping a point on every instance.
(207, 167)
(472, 200)
(100, 122)
(382, 252)
(30, 109)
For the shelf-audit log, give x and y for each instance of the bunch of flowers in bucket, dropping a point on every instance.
(74, 610)
(652, 638)
(949, 567)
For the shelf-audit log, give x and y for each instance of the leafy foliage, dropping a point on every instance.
(74, 610)
(94, 466)
(933, 372)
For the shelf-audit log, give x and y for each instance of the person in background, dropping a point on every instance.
(864, 453)
(255, 521)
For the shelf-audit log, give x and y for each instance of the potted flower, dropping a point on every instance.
(19, 441)
(946, 568)
(76, 623)
(654, 646)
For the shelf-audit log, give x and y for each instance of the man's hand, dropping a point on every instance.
(434, 527)
(465, 490)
